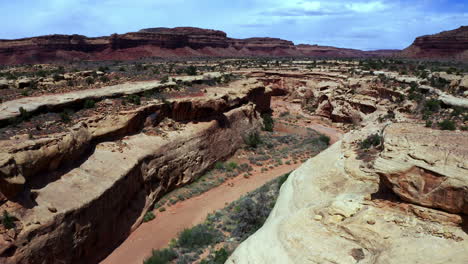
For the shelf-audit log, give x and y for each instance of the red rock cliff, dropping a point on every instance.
(451, 44)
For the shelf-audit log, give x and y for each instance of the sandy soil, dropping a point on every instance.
(159, 232)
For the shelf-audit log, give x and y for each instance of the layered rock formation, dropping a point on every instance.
(452, 44)
(157, 42)
(77, 194)
(403, 202)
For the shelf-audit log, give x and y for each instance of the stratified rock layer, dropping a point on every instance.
(76, 195)
(451, 44)
(158, 42)
(339, 208)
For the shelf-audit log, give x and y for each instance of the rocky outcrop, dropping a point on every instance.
(403, 204)
(78, 194)
(452, 44)
(157, 42)
(51, 102)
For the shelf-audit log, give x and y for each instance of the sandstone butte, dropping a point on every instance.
(160, 42)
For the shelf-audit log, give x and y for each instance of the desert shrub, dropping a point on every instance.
(447, 124)
(231, 166)
(220, 257)
(268, 122)
(191, 70)
(103, 68)
(373, 140)
(162, 256)
(89, 104)
(8, 221)
(165, 79)
(104, 79)
(250, 215)
(324, 139)
(428, 123)
(133, 99)
(283, 114)
(149, 216)
(122, 69)
(198, 236)
(253, 140)
(219, 166)
(432, 105)
(458, 111)
(65, 116)
(89, 80)
(282, 179)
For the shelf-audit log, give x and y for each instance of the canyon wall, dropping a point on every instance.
(78, 194)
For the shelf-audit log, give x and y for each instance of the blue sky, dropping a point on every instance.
(380, 24)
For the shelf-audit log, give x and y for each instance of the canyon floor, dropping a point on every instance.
(102, 162)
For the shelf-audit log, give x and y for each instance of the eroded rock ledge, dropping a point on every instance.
(78, 194)
(404, 204)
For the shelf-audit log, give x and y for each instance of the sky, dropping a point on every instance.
(367, 25)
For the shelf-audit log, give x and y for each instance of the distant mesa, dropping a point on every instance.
(198, 42)
(452, 44)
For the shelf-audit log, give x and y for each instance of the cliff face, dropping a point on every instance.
(156, 42)
(448, 44)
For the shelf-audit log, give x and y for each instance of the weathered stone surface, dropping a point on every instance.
(336, 209)
(10, 109)
(428, 167)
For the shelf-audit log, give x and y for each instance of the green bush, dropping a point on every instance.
(89, 80)
(8, 221)
(104, 79)
(373, 140)
(220, 257)
(447, 124)
(428, 123)
(133, 99)
(432, 105)
(268, 122)
(253, 140)
(191, 70)
(197, 237)
(65, 116)
(231, 166)
(283, 179)
(165, 79)
(219, 166)
(149, 216)
(325, 139)
(162, 256)
(89, 104)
